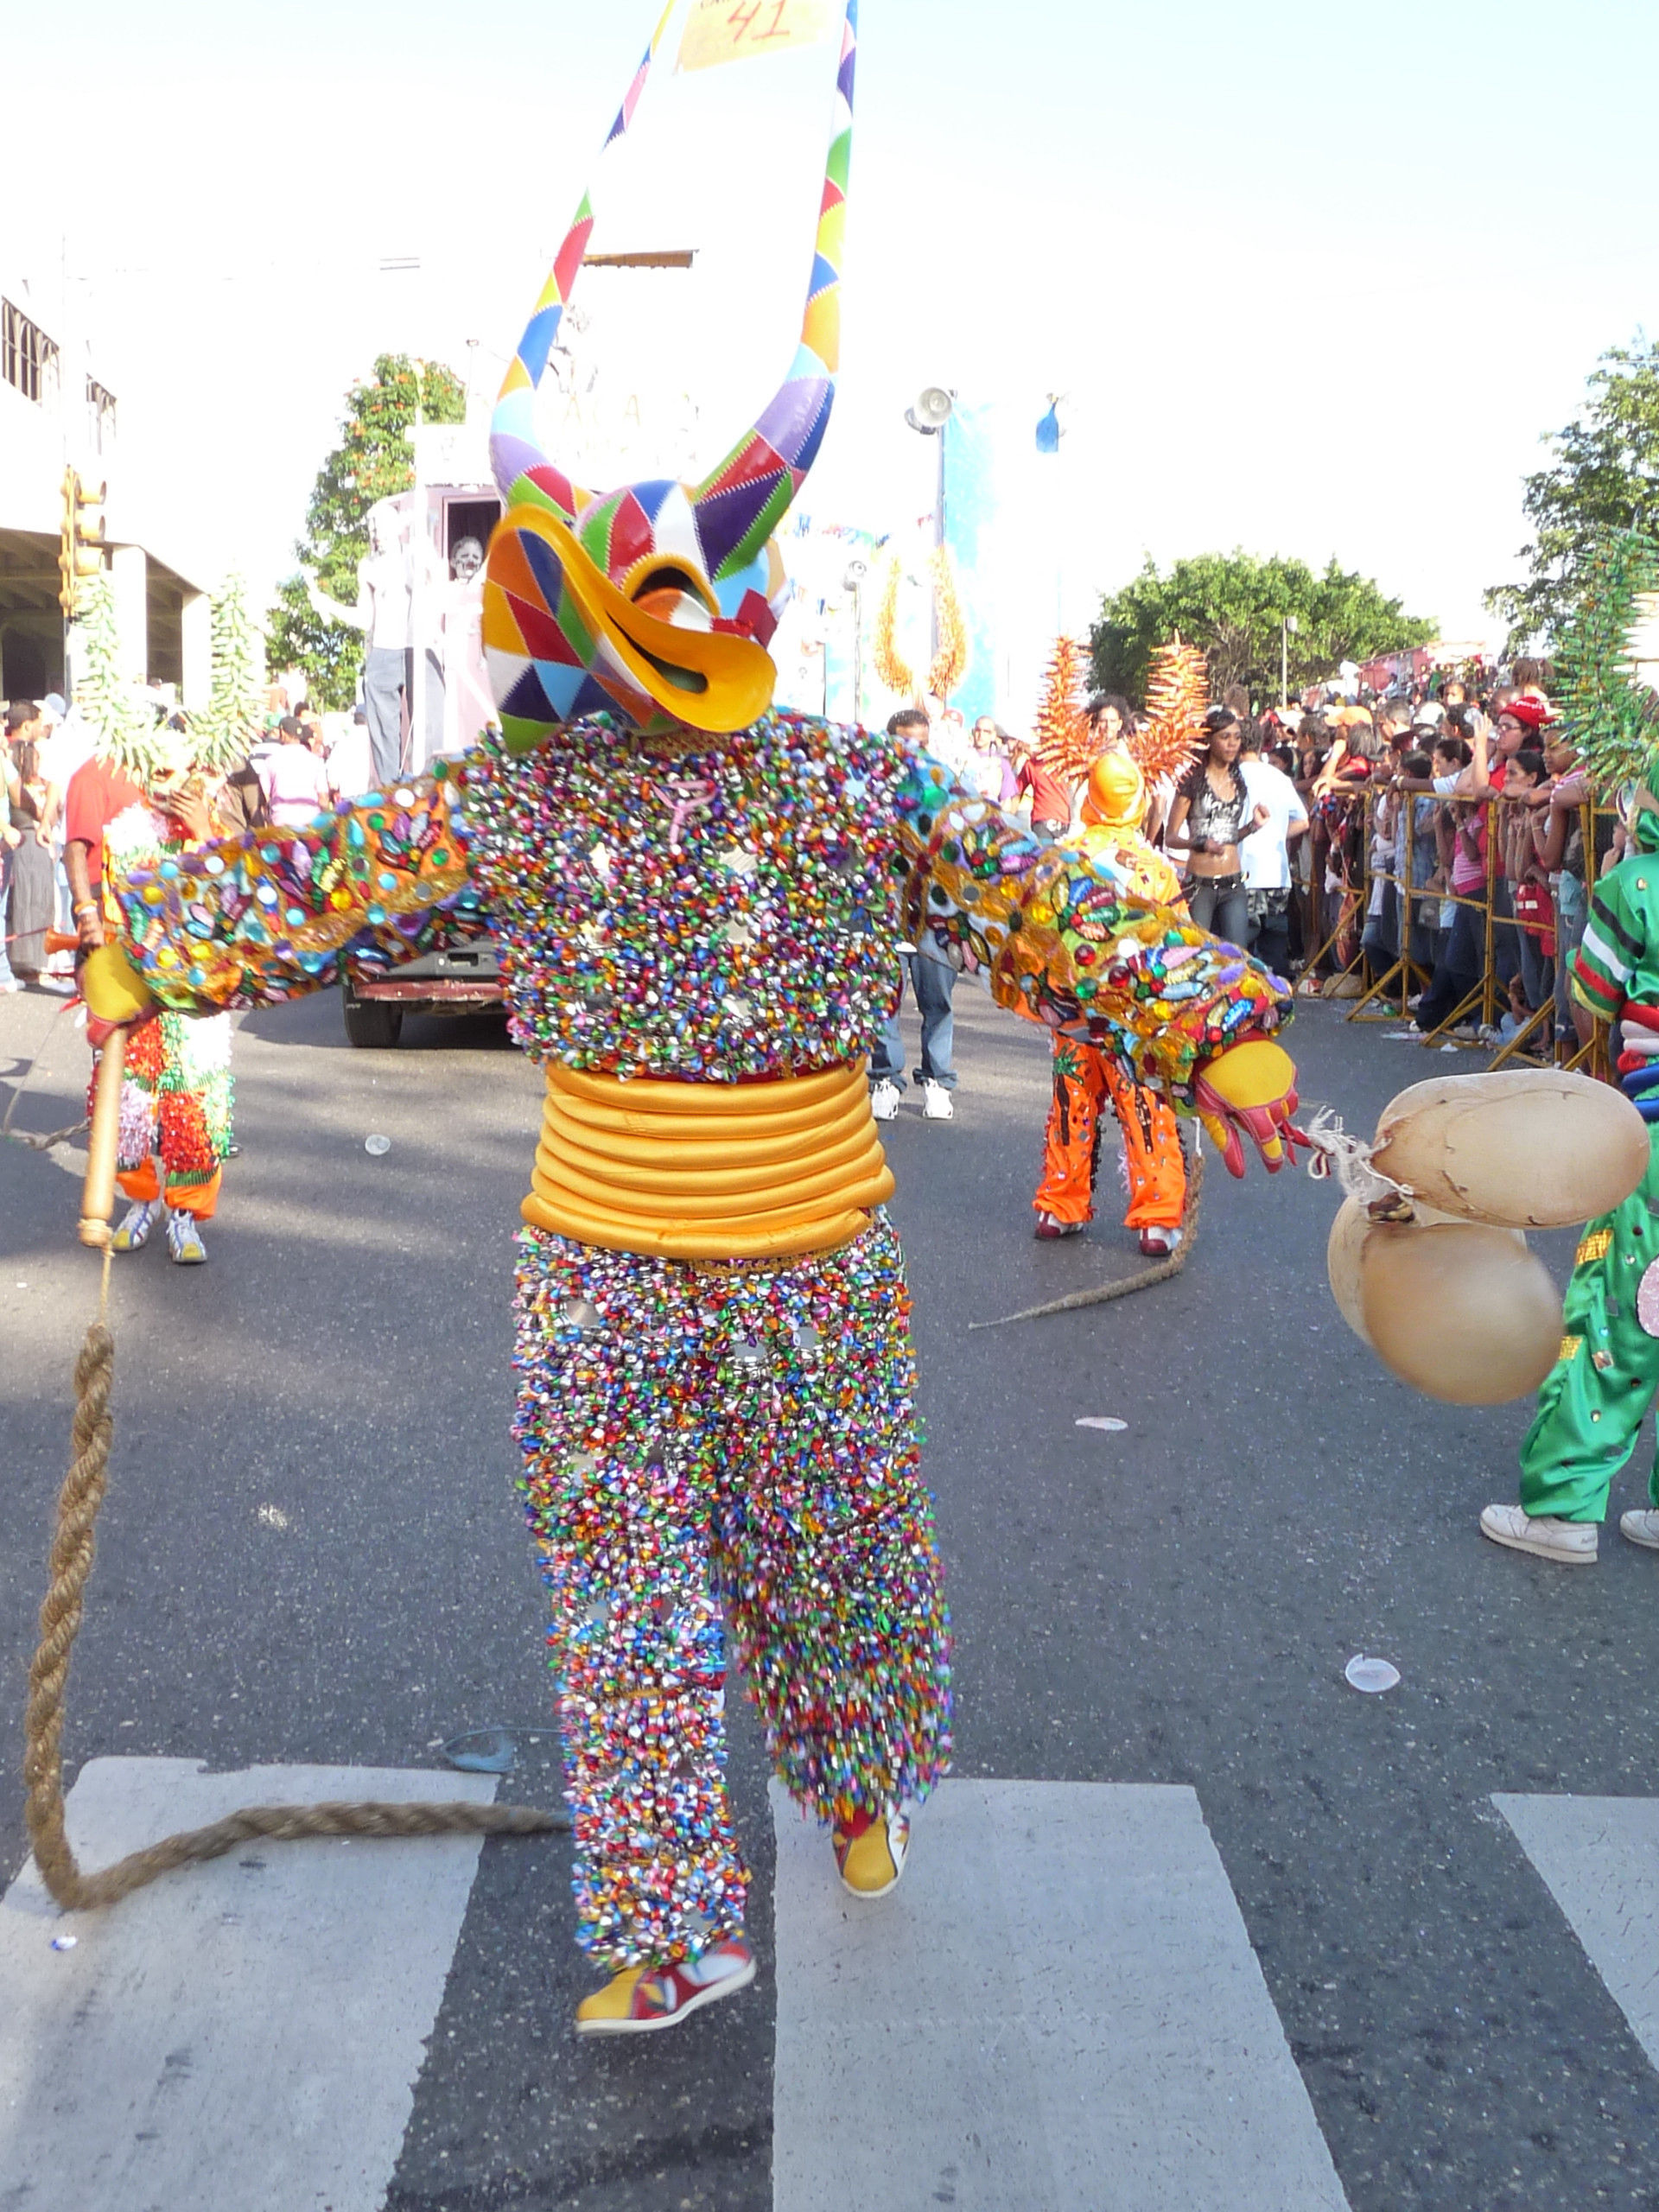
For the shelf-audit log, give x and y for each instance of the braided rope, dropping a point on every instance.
(1146, 1280)
(72, 1551)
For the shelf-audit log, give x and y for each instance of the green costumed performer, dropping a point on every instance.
(1594, 1400)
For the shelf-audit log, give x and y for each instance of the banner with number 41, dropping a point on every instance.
(733, 30)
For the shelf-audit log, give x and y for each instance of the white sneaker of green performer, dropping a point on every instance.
(1572, 1542)
(1641, 1527)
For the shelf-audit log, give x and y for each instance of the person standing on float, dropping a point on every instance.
(699, 903)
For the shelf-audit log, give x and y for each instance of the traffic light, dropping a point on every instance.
(80, 539)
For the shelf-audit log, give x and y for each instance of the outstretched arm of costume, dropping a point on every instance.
(1056, 937)
(272, 915)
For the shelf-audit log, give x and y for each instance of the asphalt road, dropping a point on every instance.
(311, 1554)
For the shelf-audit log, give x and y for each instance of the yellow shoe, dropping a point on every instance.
(871, 1852)
(642, 1998)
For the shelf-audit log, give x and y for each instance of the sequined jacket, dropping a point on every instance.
(717, 914)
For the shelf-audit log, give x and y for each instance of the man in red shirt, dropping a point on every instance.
(97, 793)
(1051, 803)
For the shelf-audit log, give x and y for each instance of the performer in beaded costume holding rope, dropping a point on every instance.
(699, 902)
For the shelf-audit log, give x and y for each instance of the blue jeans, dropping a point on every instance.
(931, 982)
(1571, 914)
(1221, 905)
(1458, 971)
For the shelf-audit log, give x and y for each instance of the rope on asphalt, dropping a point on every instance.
(1164, 1271)
(72, 1557)
(21, 1137)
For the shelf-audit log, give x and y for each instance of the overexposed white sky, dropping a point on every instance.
(1315, 277)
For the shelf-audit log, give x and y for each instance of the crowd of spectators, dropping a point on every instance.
(1433, 839)
(297, 761)
(1447, 854)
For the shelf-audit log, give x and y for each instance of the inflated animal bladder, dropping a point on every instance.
(1461, 1311)
(1523, 1148)
(1458, 1310)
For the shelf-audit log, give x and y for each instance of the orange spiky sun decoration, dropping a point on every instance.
(1060, 734)
(1177, 695)
(892, 669)
(950, 663)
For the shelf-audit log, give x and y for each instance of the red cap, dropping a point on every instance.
(1533, 714)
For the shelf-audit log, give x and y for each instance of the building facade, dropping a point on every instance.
(57, 411)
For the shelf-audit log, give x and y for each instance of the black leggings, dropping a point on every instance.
(1221, 905)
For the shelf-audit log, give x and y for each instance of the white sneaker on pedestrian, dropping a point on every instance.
(1641, 1527)
(1573, 1542)
(184, 1240)
(884, 1098)
(936, 1103)
(133, 1232)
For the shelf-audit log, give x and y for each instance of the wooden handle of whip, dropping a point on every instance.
(98, 1193)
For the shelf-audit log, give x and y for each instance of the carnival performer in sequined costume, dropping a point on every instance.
(1089, 1082)
(175, 1092)
(699, 903)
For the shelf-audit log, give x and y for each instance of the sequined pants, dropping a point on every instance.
(176, 1111)
(708, 1444)
(1086, 1082)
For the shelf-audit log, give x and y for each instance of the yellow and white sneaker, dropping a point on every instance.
(133, 1232)
(870, 1852)
(640, 1999)
(184, 1240)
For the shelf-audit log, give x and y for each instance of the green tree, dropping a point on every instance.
(1604, 476)
(1234, 605)
(372, 461)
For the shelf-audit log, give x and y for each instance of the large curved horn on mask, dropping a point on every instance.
(740, 505)
(525, 475)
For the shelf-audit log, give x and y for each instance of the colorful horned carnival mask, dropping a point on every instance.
(657, 601)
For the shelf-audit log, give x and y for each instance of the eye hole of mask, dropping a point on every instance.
(671, 579)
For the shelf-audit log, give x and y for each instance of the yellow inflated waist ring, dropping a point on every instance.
(708, 1170)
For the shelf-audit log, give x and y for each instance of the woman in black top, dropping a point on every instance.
(1210, 817)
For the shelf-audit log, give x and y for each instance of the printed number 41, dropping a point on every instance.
(742, 19)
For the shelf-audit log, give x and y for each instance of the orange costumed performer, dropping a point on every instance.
(1088, 1077)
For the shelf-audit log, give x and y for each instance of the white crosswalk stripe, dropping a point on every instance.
(1600, 1858)
(1058, 2010)
(248, 2032)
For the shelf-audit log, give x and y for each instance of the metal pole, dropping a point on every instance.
(938, 519)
